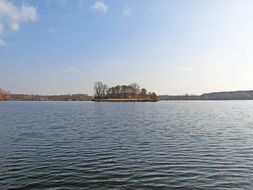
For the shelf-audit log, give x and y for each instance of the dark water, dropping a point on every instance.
(164, 145)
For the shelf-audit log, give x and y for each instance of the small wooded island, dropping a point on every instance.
(122, 93)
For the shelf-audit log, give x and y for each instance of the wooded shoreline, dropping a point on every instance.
(230, 95)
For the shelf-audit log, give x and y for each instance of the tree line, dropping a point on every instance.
(5, 96)
(132, 91)
(31, 97)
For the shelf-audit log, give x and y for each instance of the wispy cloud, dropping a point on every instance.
(11, 16)
(14, 26)
(51, 30)
(127, 12)
(100, 6)
(71, 69)
(2, 42)
(182, 68)
(1, 28)
(113, 63)
(80, 3)
(60, 2)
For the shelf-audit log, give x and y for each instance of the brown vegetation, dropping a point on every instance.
(4, 95)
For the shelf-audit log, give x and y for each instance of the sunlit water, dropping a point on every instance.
(162, 145)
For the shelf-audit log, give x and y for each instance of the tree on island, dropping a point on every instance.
(136, 88)
(143, 92)
(100, 90)
(131, 91)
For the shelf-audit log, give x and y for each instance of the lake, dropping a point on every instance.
(159, 145)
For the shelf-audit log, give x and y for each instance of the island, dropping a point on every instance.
(122, 93)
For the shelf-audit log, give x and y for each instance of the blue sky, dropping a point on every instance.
(167, 46)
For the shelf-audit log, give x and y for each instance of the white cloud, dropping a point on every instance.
(14, 26)
(127, 12)
(14, 16)
(11, 16)
(99, 6)
(28, 13)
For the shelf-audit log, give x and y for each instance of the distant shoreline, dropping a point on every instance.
(215, 96)
(229, 95)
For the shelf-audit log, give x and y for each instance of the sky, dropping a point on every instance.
(167, 46)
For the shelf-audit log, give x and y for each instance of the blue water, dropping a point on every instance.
(160, 145)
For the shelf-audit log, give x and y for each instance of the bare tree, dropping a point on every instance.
(124, 91)
(117, 91)
(153, 96)
(100, 90)
(136, 89)
(143, 92)
(104, 90)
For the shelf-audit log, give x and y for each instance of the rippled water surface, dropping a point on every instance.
(163, 145)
